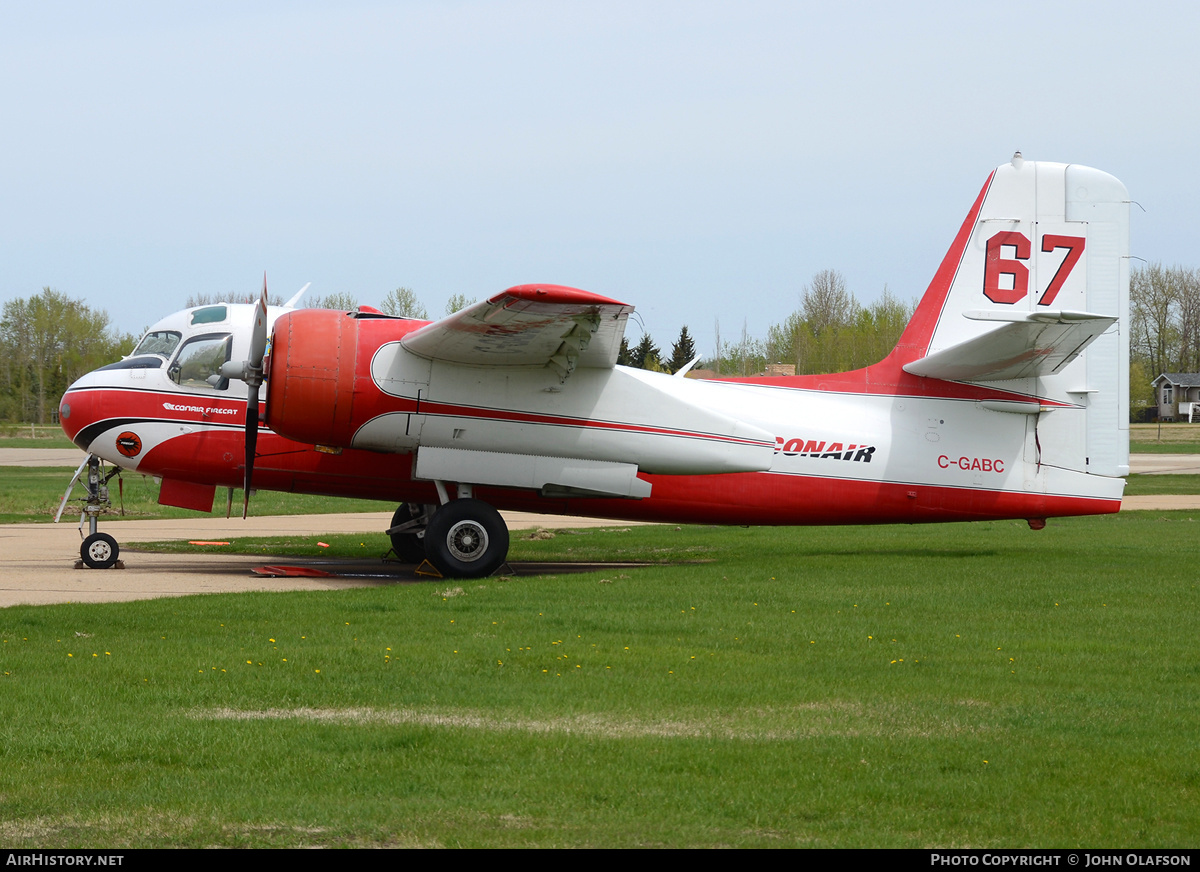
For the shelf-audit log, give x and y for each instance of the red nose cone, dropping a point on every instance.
(76, 410)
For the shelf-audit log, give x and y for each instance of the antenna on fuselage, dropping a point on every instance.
(291, 304)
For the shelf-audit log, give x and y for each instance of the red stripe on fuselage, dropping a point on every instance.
(454, 410)
(770, 499)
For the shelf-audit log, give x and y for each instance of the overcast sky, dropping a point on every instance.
(697, 160)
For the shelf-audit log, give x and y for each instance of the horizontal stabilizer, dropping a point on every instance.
(1029, 345)
(529, 325)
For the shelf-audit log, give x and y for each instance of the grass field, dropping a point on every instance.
(1164, 438)
(33, 494)
(960, 685)
(33, 436)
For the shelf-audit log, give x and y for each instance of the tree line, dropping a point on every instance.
(1164, 327)
(50, 339)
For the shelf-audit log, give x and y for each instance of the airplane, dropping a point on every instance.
(1006, 397)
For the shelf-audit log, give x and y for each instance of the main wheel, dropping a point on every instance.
(99, 551)
(410, 544)
(466, 539)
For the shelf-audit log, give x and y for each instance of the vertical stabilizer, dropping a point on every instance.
(1033, 298)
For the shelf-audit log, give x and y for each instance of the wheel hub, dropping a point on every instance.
(99, 551)
(467, 541)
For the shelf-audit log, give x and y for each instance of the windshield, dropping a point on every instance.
(161, 342)
(199, 362)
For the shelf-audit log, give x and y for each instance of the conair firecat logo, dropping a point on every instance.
(830, 451)
(129, 444)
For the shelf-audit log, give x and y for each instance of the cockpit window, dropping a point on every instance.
(209, 315)
(199, 362)
(162, 342)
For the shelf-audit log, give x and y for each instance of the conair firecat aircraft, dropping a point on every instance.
(1006, 397)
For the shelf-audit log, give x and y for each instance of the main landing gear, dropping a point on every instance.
(98, 550)
(464, 538)
(407, 531)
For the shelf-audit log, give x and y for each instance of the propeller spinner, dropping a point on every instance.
(251, 372)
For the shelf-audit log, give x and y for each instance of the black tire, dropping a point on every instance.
(409, 546)
(99, 551)
(466, 539)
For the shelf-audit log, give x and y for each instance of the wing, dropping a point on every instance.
(529, 325)
(1033, 344)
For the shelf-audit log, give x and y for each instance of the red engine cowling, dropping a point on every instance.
(311, 376)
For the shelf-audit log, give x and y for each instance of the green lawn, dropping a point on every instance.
(32, 494)
(1164, 438)
(976, 685)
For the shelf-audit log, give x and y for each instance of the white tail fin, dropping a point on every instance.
(1034, 297)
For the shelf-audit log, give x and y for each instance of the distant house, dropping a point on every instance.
(1178, 396)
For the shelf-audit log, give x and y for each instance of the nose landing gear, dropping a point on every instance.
(98, 550)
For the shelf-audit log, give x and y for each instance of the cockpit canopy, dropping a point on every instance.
(192, 345)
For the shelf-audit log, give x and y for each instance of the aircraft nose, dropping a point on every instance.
(78, 409)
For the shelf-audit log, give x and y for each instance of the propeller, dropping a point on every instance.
(251, 372)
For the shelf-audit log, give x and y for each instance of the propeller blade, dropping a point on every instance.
(258, 337)
(251, 445)
(251, 372)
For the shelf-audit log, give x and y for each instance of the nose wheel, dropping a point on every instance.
(99, 551)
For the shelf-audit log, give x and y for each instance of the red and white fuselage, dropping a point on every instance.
(1005, 398)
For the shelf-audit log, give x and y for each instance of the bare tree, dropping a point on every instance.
(339, 300)
(1154, 297)
(231, 297)
(825, 303)
(458, 302)
(403, 303)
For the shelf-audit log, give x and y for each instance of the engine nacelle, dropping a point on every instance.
(311, 376)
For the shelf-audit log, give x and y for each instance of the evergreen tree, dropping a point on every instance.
(624, 356)
(683, 351)
(646, 355)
